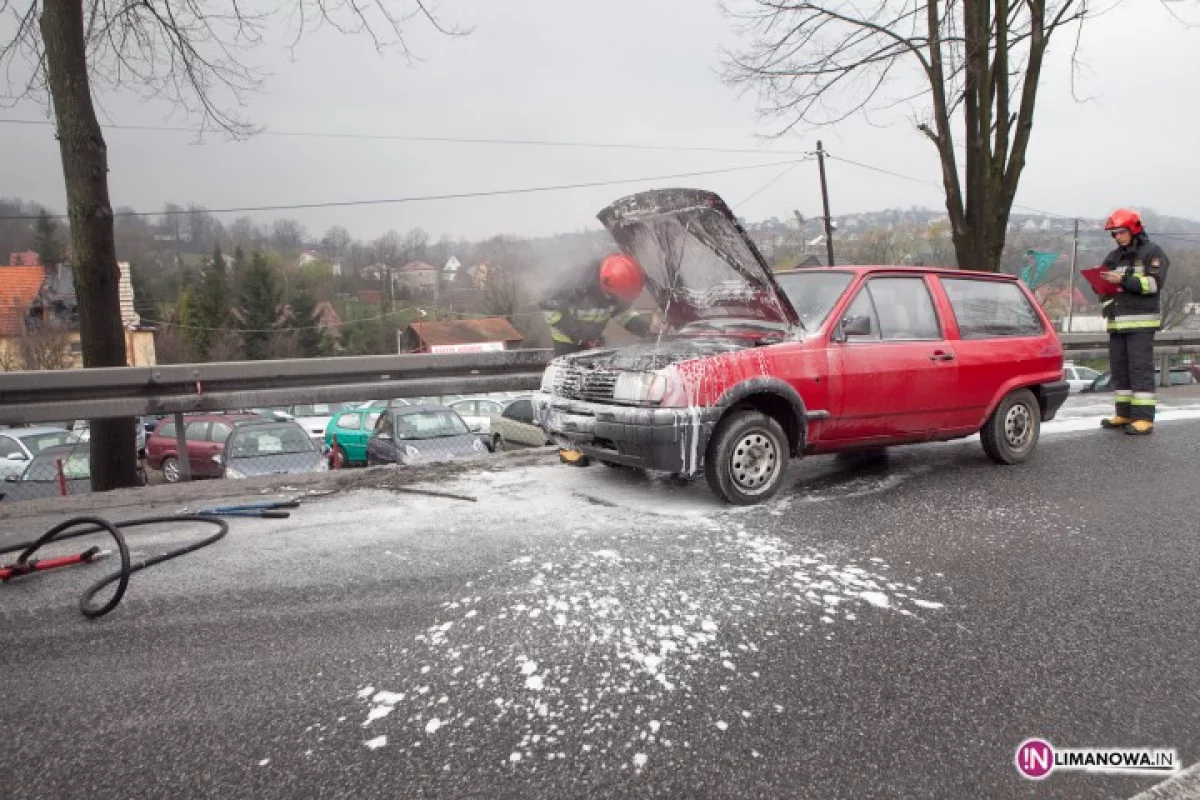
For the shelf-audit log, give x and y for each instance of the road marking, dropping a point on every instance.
(1184, 786)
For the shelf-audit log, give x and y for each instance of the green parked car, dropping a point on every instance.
(352, 429)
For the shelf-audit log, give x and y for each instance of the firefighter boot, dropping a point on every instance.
(572, 457)
(1141, 427)
(1116, 423)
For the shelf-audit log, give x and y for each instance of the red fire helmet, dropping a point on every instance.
(1125, 218)
(622, 277)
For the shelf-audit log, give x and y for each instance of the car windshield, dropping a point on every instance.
(319, 410)
(813, 294)
(269, 440)
(430, 425)
(38, 442)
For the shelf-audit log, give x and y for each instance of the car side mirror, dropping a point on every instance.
(383, 437)
(219, 460)
(852, 326)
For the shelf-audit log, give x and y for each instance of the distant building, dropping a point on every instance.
(36, 301)
(459, 336)
(28, 258)
(416, 276)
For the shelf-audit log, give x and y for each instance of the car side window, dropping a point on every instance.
(905, 309)
(349, 422)
(166, 429)
(987, 309)
(520, 411)
(8, 447)
(863, 307)
(196, 431)
(489, 407)
(372, 419)
(219, 432)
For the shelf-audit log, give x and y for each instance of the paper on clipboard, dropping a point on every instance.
(1098, 284)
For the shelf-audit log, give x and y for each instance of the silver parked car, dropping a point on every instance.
(515, 427)
(40, 477)
(19, 446)
(270, 448)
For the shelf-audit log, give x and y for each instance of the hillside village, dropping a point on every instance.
(194, 289)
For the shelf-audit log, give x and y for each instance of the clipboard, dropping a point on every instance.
(1098, 284)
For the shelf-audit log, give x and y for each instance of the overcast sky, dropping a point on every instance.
(636, 71)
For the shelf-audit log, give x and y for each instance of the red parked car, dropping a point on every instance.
(206, 435)
(762, 367)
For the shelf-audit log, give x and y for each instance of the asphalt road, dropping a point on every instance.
(889, 629)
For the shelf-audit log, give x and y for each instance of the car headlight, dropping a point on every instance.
(234, 474)
(640, 387)
(411, 452)
(478, 446)
(550, 378)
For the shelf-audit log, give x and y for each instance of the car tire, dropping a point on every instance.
(498, 444)
(170, 470)
(746, 461)
(339, 453)
(1011, 433)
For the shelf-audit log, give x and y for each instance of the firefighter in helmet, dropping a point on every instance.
(1138, 268)
(586, 299)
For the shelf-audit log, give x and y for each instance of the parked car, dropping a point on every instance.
(82, 430)
(1079, 378)
(515, 427)
(421, 434)
(314, 417)
(477, 412)
(19, 446)
(205, 434)
(268, 447)
(762, 367)
(373, 404)
(352, 429)
(1180, 376)
(40, 476)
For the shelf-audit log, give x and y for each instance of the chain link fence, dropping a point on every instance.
(294, 440)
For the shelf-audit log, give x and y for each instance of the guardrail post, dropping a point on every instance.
(337, 461)
(1165, 378)
(62, 477)
(181, 448)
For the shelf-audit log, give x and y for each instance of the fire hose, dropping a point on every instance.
(73, 528)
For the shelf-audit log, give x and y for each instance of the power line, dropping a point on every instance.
(399, 137)
(425, 198)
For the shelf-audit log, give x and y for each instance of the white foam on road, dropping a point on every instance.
(609, 647)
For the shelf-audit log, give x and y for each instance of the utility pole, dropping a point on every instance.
(1071, 283)
(825, 202)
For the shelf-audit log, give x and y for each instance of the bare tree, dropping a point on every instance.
(972, 63)
(505, 259)
(188, 52)
(337, 241)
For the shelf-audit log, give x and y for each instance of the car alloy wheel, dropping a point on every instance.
(170, 468)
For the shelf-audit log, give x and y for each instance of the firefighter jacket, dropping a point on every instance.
(578, 311)
(1144, 267)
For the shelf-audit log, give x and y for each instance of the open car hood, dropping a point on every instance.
(699, 262)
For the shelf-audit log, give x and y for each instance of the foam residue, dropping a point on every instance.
(615, 648)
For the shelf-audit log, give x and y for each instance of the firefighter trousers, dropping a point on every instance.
(1131, 359)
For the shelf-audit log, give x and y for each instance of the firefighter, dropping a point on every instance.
(601, 290)
(580, 308)
(1138, 268)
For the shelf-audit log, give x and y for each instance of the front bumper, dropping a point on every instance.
(1054, 395)
(663, 439)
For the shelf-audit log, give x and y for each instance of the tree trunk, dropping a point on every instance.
(94, 255)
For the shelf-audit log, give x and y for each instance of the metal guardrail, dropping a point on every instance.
(50, 396)
(1167, 345)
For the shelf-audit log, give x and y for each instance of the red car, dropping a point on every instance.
(762, 367)
(206, 435)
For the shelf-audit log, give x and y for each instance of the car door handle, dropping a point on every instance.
(941, 355)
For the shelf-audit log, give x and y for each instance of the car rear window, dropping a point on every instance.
(987, 309)
(349, 422)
